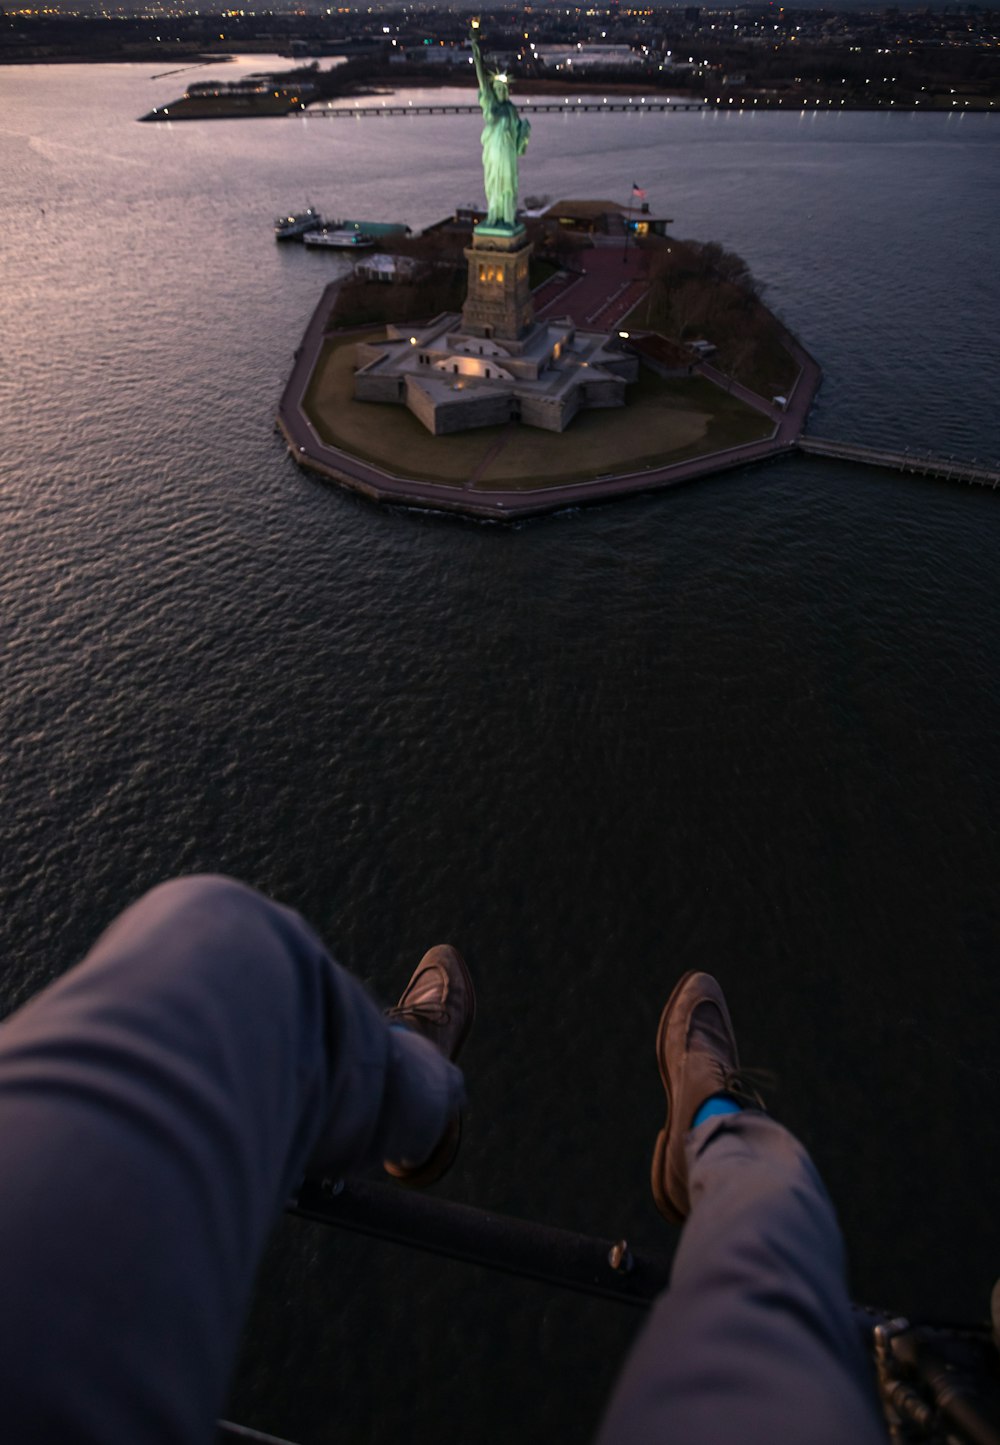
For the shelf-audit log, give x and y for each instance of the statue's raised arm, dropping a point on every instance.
(485, 92)
(505, 137)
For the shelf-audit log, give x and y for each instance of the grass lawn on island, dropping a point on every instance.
(662, 422)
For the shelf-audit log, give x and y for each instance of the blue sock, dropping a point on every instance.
(717, 1104)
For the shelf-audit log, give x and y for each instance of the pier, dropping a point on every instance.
(921, 464)
(548, 107)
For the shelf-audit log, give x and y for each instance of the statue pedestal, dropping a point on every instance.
(498, 300)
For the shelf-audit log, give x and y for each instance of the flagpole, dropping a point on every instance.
(628, 227)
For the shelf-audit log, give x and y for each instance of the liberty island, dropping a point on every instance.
(510, 362)
(476, 408)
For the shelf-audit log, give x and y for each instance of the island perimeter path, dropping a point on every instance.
(609, 286)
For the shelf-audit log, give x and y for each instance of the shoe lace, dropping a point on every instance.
(747, 1086)
(427, 1012)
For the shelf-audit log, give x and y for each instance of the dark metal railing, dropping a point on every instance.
(607, 1268)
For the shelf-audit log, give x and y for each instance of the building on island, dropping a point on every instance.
(494, 362)
(380, 266)
(605, 218)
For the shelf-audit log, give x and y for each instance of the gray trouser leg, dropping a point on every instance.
(754, 1342)
(157, 1105)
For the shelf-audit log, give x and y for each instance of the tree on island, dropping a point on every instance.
(698, 289)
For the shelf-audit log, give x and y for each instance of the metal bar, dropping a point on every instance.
(580, 1262)
(226, 1430)
(605, 1268)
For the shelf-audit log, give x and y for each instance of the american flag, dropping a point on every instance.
(637, 191)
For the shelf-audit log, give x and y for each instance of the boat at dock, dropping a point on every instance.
(336, 239)
(304, 223)
(293, 228)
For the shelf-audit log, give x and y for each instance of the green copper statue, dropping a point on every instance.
(505, 137)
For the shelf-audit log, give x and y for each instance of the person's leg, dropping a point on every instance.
(755, 1340)
(157, 1105)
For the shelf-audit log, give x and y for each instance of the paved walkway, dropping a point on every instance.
(613, 281)
(310, 451)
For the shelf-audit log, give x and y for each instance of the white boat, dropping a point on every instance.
(289, 228)
(338, 240)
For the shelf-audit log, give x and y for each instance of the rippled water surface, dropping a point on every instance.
(750, 725)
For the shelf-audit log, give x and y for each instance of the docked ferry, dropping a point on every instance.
(337, 239)
(290, 228)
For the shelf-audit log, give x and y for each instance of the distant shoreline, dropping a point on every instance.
(154, 54)
(581, 86)
(224, 108)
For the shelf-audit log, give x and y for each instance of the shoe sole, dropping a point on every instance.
(657, 1170)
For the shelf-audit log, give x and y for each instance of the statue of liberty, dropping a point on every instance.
(505, 137)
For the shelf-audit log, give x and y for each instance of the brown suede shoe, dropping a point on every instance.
(697, 1055)
(439, 1002)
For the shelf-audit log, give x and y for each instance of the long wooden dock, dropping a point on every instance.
(949, 469)
(546, 107)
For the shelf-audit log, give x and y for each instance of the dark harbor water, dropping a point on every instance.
(751, 725)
